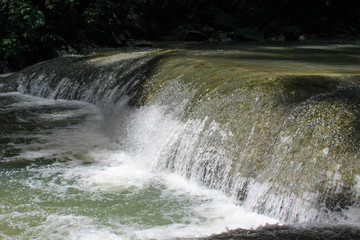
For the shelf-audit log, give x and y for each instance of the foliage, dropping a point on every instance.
(32, 29)
(22, 24)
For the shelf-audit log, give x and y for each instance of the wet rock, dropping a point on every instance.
(143, 43)
(292, 33)
(220, 36)
(118, 39)
(303, 232)
(193, 35)
(64, 50)
(207, 30)
(278, 38)
(4, 67)
(272, 31)
(225, 21)
(302, 38)
(247, 34)
(135, 24)
(187, 33)
(212, 39)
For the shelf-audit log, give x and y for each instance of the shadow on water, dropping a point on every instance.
(23, 163)
(291, 232)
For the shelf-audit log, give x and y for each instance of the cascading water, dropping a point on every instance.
(274, 131)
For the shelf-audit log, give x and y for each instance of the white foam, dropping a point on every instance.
(210, 210)
(35, 154)
(221, 211)
(215, 217)
(114, 169)
(6, 75)
(74, 228)
(104, 61)
(325, 151)
(66, 114)
(131, 165)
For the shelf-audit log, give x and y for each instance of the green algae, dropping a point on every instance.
(287, 116)
(294, 123)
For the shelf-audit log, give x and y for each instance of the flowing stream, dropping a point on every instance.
(180, 143)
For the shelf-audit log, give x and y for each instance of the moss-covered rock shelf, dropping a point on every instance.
(271, 126)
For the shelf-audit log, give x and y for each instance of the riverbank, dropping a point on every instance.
(136, 45)
(34, 31)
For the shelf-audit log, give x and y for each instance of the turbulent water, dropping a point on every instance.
(62, 178)
(180, 143)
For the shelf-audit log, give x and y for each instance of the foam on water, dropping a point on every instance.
(104, 61)
(206, 211)
(97, 189)
(111, 169)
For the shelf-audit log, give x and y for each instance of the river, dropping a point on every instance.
(168, 143)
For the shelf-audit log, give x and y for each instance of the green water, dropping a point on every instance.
(181, 142)
(62, 178)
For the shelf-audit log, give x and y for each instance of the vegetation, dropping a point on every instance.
(32, 30)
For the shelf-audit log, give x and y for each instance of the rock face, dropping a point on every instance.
(135, 24)
(248, 34)
(275, 128)
(193, 35)
(271, 125)
(187, 33)
(4, 67)
(290, 233)
(292, 33)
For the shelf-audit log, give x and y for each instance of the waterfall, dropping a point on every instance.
(280, 137)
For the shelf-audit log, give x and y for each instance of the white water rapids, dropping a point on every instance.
(94, 188)
(180, 143)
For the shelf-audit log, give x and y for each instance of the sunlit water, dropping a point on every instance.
(69, 171)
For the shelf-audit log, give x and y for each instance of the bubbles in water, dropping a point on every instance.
(71, 182)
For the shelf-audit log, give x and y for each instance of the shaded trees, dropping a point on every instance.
(32, 29)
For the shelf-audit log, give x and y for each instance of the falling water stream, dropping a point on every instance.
(180, 143)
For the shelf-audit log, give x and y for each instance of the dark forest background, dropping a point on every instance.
(36, 30)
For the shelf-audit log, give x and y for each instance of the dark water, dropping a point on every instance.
(300, 232)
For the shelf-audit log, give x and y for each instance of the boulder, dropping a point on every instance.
(4, 67)
(277, 38)
(135, 24)
(292, 33)
(187, 33)
(143, 43)
(193, 35)
(302, 38)
(220, 36)
(247, 34)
